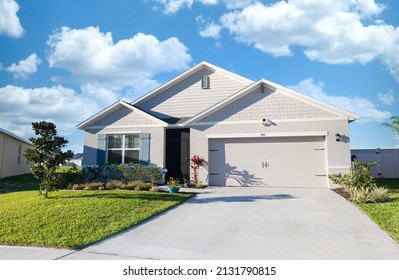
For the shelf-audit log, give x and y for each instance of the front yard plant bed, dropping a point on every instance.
(75, 219)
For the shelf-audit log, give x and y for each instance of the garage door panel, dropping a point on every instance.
(284, 162)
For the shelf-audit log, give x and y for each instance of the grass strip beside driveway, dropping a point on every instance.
(386, 215)
(76, 219)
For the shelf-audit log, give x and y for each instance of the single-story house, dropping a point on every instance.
(76, 160)
(250, 133)
(386, 161)
(12, 150)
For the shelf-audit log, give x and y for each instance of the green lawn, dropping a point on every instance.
(386, 215)
(73, 219)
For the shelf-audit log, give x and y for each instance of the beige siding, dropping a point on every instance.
(187, 98)
(123, 117)
(9, 152)
(270, 105)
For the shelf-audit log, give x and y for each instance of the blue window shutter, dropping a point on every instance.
(145, 148)
(101, 148)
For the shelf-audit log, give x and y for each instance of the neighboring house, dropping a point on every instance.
(12, 150)
(76, 160)
(251, 133)
(387, 161)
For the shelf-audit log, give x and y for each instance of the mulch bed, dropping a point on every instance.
(342, 193)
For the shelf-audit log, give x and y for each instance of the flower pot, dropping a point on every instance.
(173, 189)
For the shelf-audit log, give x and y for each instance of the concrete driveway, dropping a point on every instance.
(251, 223)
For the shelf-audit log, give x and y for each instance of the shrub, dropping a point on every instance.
(380, 194)
(102, 173)
(112, 185)
(132, 171)
(154, 174)
(70, 177)
(360, 185)
(94, 186)
(77, 187)
(144, 186)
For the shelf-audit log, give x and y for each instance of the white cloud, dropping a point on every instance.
(25, 67)
(364, 108)
(173, 6)
(210, 29)
(65, 107)
(329, 31)
(92, 57)
(237, 4)
(386, 98)
(9, 21)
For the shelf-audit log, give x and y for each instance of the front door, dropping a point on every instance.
(178, 154)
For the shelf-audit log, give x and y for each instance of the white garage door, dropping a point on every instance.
(275, 162)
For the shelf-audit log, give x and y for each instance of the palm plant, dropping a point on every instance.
(393, 125)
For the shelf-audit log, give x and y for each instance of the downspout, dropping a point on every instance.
(2, 157)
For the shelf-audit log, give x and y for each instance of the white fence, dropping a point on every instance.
(387, 161)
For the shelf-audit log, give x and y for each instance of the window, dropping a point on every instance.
(19, 154)
(123, 148)
(205, 82)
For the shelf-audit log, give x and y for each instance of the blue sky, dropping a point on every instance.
(63, 61)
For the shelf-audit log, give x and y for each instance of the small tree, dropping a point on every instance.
(196, 162)
(46, 155)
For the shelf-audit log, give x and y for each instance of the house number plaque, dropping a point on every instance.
(265, 164)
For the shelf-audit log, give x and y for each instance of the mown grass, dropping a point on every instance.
(386, 215)
(75, 219)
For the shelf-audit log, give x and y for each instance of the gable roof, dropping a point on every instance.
(189, 72)
(14, 136)
(263, 82)
(113, 108)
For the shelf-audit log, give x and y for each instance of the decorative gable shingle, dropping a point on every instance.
(271, 105)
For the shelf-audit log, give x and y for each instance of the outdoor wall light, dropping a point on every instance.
(338, 137)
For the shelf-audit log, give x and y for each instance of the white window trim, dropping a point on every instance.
(123, 149)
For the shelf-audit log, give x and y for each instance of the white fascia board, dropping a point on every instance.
(113, 108)
(185, 75)
(267, 135)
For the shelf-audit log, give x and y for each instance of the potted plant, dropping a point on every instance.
(173, 185)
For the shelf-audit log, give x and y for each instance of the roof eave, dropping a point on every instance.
(112, 108)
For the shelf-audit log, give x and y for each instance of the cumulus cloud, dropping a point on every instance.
(386, 98)
(364, 108)
(329, 31)
(92, 57)
(173, 6)
(9, 21)
(210, 29)
(25, 67)
(63, 106)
